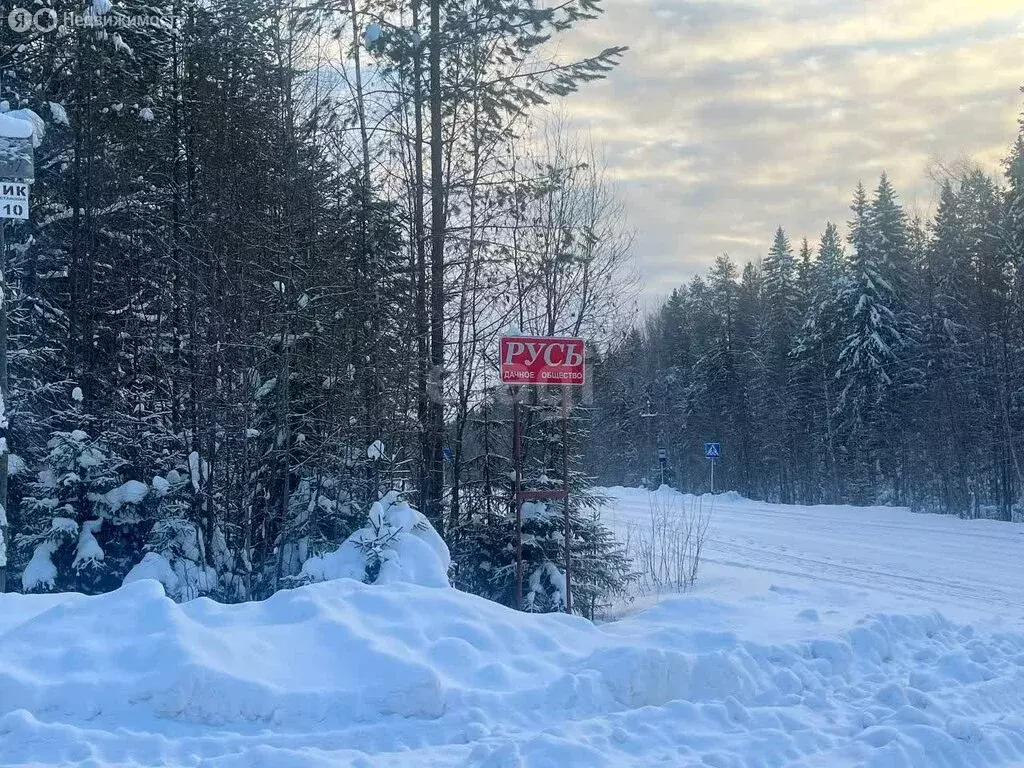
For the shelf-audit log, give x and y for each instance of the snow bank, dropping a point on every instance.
(336, 652)
(794, 672)
(314, 676)
(618, 493)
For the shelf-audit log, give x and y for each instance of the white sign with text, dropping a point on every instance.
(13, 200)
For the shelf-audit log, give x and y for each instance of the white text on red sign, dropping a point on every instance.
(543, 361)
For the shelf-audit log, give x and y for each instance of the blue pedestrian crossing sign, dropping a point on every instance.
(712, 451)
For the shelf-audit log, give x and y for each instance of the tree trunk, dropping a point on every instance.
(420, 300)
(435, 467)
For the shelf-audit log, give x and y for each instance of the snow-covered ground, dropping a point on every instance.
(812, 639)
(849, 561)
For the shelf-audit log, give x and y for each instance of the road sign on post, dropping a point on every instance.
(662, 459)
(17, 165)
(542, 361)
(712, 452)
(13, 199)
(19, 133)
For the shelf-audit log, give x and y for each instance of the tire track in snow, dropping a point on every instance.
(862, 577)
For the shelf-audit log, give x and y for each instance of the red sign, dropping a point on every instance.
(545, 361)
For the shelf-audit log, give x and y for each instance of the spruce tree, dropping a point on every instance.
(781, 312)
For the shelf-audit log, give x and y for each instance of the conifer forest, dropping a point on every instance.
(273, 247)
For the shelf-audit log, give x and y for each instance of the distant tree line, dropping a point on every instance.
(880, 364)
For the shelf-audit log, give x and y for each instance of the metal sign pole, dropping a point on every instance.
(517, 451)
(17, 170)
(712, 452)
(565, 479)
(4, 459)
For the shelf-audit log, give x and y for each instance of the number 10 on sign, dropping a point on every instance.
(13, 200)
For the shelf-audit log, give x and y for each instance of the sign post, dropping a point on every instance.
(17, 171)
(712, 452)
(662, 459)
(543, 362)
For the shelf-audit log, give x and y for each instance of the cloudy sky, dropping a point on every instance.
(728, 118)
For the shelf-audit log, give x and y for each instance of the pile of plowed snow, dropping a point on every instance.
(335, 653)
(341, 673)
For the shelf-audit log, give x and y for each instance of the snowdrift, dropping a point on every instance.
(335, 652)
(342, 673)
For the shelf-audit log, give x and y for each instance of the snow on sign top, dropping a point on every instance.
(14, 127)
(20, 131)
(543, 361)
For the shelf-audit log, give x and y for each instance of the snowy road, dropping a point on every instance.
(861, 558)
(813, 639)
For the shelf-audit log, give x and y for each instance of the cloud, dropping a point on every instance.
(729, 118)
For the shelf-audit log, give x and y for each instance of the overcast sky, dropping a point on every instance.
(728, 118)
